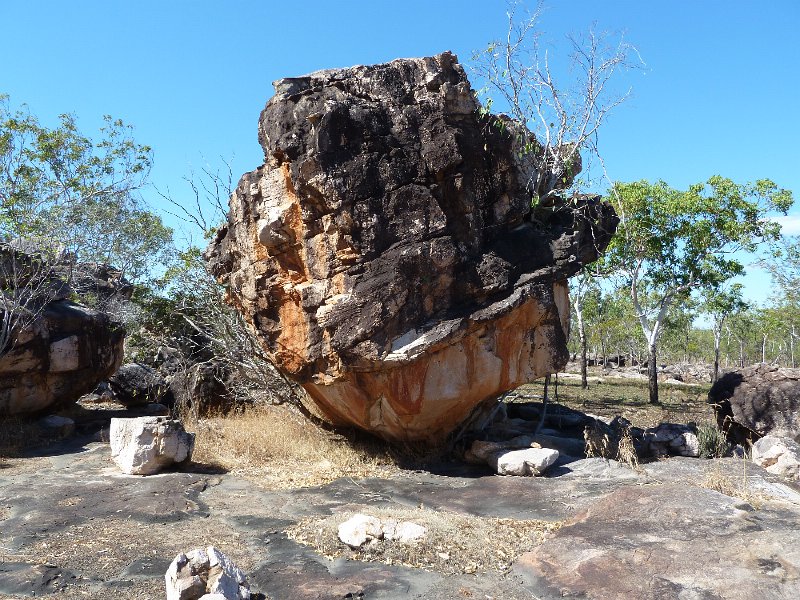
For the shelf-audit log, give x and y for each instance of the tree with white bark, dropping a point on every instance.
(671, 243)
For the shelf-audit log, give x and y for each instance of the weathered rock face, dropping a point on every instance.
(387, 253)
(57, 358)
(668, 541)
(757, 401)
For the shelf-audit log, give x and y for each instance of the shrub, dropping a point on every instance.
(712, 442)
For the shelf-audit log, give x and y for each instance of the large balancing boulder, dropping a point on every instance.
(756, 401)
(387, 253)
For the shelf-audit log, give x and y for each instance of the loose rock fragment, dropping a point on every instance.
(146, 445)
(362, 529)
(780, 456)
(205, 574)
(532, 461)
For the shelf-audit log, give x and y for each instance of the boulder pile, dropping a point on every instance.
(399, 253)
(52, 350)
(205, 574)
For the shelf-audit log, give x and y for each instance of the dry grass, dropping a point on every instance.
(100, 549)
(455, 543)
(733, 486)
(16, 436)
(278, 448)
(605, 443)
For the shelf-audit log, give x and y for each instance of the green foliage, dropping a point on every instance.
(712, 441)
(671, 243)
(681, 240)
(64, 192)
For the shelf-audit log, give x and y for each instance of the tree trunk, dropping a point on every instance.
(686, 347)
(584, 349)
(741, 354)
(543, 416)
(652, 373)
(584, 360)
(764, 349)
(717, 341)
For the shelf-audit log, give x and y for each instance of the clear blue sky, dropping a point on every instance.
(720, 95)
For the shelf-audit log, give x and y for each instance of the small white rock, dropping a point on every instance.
(404, 532)
(532, 461)
(689, 445)
(360, 529)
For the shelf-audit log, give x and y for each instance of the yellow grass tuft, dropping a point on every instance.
(278, 448)
(733, 486)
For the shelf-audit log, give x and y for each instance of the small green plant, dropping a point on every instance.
(712, 442)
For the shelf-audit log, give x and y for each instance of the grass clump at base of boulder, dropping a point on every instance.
(735, 486)
(712, 442)
(455, 543)
(278, 448)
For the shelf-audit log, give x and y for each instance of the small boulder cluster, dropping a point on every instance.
(760, 406)
(520, 442)
(361, 529)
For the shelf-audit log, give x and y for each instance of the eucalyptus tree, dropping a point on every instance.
(583, 289)
(783, 265)
(671, 243)
(65, 197)
(63, 191)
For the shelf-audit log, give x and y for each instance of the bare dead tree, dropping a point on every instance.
(29, 281)
(198, 300)
(561, 118)
(556, 118)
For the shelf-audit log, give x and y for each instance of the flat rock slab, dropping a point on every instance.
(26, 579)
(71, 526)
(670, 541)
